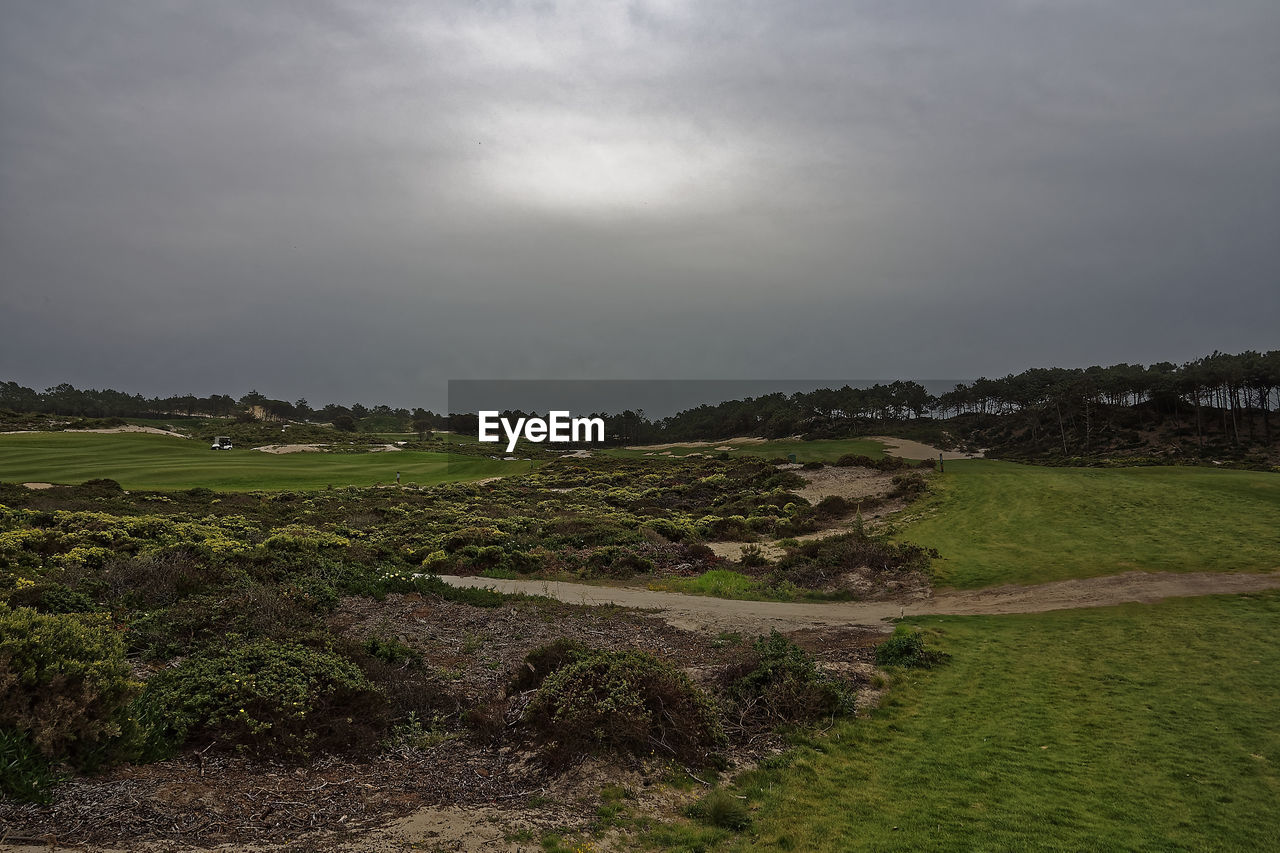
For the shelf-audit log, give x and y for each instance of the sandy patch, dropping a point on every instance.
(695, 612)
(133, 428)
(721, 442)
(38, 485)
(578, 454)
(291, 448)
(850, 483)
(915, 450)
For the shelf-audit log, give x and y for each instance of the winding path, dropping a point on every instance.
(697, 612)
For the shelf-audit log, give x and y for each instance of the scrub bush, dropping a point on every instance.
(269, 698)
(626, 701)
(64, 694)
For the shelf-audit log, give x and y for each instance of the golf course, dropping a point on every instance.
(147, 461)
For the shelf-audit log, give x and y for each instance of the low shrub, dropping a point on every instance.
(64, 683)
(906, 648)
(26, 775)
(851, 460)
(50, 597)
(780, 682)
(543, 661)
(908, 485)
(391, 650)
(269, 698)
(627, 701)
(832, 506)
(819, 562)
(613, 561)
(721, 809)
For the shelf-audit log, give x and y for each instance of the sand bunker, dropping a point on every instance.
(291, 448)
(850, 483)
(132, 428)
(38, 485)
(915, 450)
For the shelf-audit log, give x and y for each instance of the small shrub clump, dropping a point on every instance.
(64, 695)
(544, 660)
(906, 648)
(269, 698)
(780, 682)
(627, 701)
(721, 809)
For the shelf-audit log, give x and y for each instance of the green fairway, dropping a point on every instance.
(140, 461)
(1129, 728)
(998, 522)
(824, 450)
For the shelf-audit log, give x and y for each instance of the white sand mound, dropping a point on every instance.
(699, 444)
(132, 428)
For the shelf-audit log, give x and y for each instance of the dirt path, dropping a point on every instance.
(695, 612)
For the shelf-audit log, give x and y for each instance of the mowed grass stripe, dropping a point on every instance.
(140, 461)
(1142, 727)
(999, 522)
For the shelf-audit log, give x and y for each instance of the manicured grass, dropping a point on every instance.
(825, 450)
(140, 461)
(998, 522)
(1142, 727)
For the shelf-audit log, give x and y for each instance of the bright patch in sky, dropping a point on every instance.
(571, 162)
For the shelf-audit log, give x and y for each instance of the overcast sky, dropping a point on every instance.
(357, 201)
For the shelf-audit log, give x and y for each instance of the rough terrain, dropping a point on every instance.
(695, 612)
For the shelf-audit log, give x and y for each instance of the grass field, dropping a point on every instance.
(997, 522)
(140, 461)
(1129, 728)
(805, 451)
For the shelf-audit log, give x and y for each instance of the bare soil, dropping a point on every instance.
(696, 612)
(850, 483)
(453, 790)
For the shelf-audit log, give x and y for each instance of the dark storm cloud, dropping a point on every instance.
(360, 201)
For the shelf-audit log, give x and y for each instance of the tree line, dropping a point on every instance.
(66, 400)
(1228, 395)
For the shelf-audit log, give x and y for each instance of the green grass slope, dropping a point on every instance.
(998, 522)
(141, 461)
(1130, 728)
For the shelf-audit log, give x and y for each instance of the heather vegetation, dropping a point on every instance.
(224, 607)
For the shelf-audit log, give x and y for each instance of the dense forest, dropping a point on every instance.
(1220, 404)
